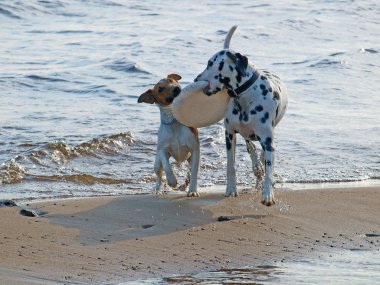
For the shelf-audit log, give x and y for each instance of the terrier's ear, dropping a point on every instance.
(147, 97)
(174, 76)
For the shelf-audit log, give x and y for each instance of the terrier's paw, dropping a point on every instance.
(172, 182)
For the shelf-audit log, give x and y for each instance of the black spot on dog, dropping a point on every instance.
(231, 68)
(268, 162)
(265, 118)
(228, 144)
(270, 89)
(230, 136)
(238, 77)
(253, 137)
(209, 64)
(221, 65)
(222, 52)
(262, 86)
(235, 111)
(268, 144)
(226, 82)
(253, 112)
(277, 112)
(231, 93)
(216, 76)
(228, 140)
(265, 92)
(227, 121)
(238, 105)
(259, 108)
(240, 117)
(245, 116)
(276, 95)
(263, 77)
(258, 138)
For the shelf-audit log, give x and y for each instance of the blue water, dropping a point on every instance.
(71, 73)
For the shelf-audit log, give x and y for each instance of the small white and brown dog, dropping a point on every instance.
(174, 139)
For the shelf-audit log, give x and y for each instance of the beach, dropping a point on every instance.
(109, 240)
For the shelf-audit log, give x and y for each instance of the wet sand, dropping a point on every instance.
(115, 239)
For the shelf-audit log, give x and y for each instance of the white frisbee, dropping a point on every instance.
(195, 109)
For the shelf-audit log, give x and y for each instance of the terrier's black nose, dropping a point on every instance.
(176, 91)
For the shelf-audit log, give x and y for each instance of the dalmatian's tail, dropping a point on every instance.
(228, 37)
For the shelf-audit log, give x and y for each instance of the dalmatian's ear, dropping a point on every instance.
(147, 97)
(174, 76)
(241, 62)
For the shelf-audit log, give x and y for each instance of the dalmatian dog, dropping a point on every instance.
(258, 101)
(174, 139)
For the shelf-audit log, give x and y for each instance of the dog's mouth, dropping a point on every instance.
(207, 90)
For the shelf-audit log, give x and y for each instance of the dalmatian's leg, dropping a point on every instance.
(257, 166)
(267, 197)
(231, 172)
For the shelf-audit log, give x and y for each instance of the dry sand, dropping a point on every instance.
(113, 239)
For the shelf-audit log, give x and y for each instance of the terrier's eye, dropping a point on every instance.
(160, 89)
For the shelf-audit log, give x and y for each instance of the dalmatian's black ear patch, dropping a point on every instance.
(242, 64)
(240, 61)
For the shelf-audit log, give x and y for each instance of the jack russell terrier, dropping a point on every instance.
(174, 139)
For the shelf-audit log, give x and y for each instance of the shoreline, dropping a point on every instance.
(111, 239)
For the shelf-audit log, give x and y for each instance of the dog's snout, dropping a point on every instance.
(176, 91)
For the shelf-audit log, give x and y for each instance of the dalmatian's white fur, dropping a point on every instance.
(258, 103)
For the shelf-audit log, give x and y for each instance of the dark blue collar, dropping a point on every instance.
(170, 123)
(248, 83)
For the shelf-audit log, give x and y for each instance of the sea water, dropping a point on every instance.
(351, 267)
(71, 73)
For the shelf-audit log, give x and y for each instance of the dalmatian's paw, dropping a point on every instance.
(231, 192)
(193, 194)
(267, 199)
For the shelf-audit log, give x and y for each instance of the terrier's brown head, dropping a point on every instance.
(164, 92)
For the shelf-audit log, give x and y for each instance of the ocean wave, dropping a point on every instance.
(91, 89)
(44, 78)
(326, 62)
(8, 13)
(125, 65)
(52, 155)
(81, 178)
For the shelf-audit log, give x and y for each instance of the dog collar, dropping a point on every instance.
(248, 83)
(170, 123)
